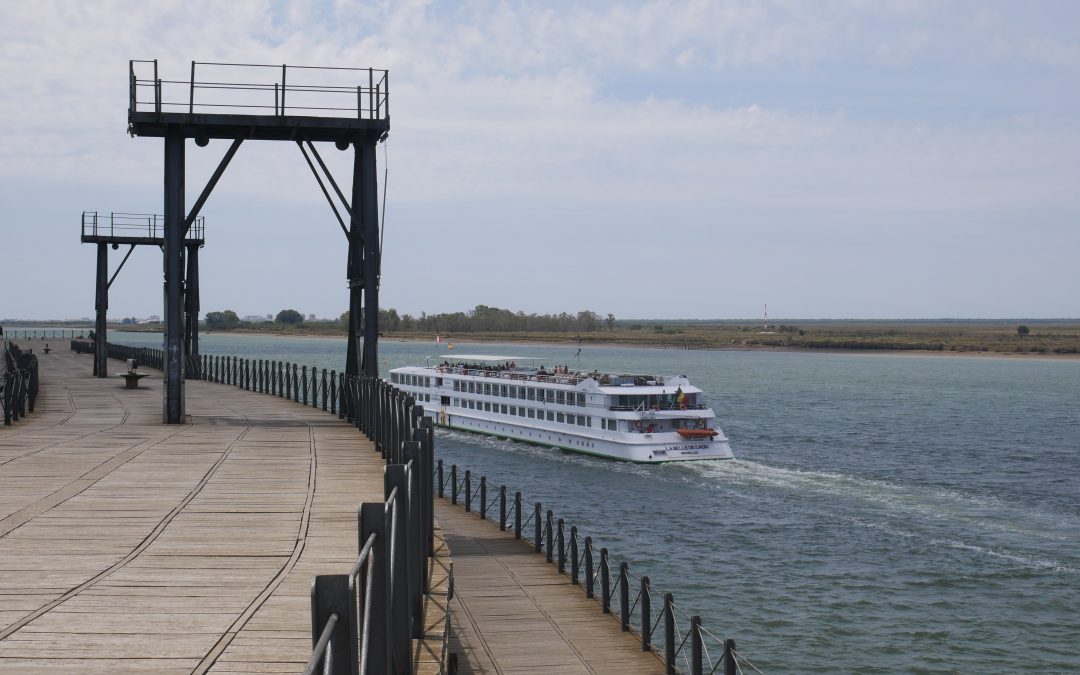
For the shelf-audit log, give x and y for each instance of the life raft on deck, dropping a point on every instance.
(697, 433)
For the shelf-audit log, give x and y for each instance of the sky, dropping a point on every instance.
(833, 159)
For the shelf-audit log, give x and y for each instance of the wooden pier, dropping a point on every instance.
(130, 546)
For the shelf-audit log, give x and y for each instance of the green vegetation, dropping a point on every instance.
(226, 320)
(1022, 330)
(290, 317)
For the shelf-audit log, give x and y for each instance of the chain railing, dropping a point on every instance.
(683, 645)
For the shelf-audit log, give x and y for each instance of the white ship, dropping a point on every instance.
(637, 418)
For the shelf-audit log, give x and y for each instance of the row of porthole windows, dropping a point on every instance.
(514, 391)
(522, 411)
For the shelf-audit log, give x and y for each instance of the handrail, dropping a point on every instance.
(633, 609)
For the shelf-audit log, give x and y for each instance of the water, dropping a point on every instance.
(886, 513)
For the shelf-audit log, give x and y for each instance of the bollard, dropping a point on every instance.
(624, 596)
(646, 616)
(483, 497)
(605, 582)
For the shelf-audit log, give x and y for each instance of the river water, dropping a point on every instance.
(885, 513)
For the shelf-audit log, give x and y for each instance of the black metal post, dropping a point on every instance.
(502, 508)
(483, 497)
(453, 484)
(590, 578)
(695, 645)
(374, 520)
(624, 596)
(417, 561)
(173, 389)
(646, 615)
(605, 582)
(365, 205)
(191, 305)
(574, 574)
(332, 597)
(517, 515)
(468, 491)
(400, 633)
(730, 666)
(537, 529)
(101, 305)
(442, 492)
(669, 634)
(550, 540)
(561, 542)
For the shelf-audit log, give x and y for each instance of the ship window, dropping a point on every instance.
(588, 422)
(581, 420)
(581, 400)
(551, 396)
(560, 418)
(550, 416)
(504, 390)
(560, 398)
(487, 407)
(532, 393)
(457, 385)
(521, 412)
(502, 407)
(532, 413)
(487, 389)
(513, 410)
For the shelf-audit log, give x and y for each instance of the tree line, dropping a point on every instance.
(480, 319)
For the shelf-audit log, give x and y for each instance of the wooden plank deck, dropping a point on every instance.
(512, 612)
(131, 546)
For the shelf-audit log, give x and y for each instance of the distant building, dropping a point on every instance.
(256, 318)
(310, 317)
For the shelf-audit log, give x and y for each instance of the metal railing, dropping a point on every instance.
(261, 89)
(684, 645)
(132, 225)
(45, 333)
(19, 382)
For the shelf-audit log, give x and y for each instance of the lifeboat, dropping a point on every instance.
(697, 433)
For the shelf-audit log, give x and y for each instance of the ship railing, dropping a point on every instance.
(679, 640)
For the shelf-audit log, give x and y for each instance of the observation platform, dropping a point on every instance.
(127, 545)
(134, 229)
(260, 102)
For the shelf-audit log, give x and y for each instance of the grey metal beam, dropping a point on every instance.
(191, 305)
(210, 185)
(366, 202)
(173, 390)
(113, 277)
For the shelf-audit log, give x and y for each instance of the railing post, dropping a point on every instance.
(303, 382)
(374, 520)
(468, 490)
(427, 430)
(502, 508)
(332, 596)
(453, 484)
(400, 633)
(440, 470)
(517, 515)
(325, 390)
(561, 541)
(669, 634)
(605, 582)
(646, 615)
(538, 537)
(335, 406)
(590, 578)
(624, 596)
(730, 666)
(548, 535)
(417, 561)
(573, 555)
(483, 497)
(695, 645)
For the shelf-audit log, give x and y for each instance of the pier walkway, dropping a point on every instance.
(130, 546)
(127, 545)
(512, 612)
